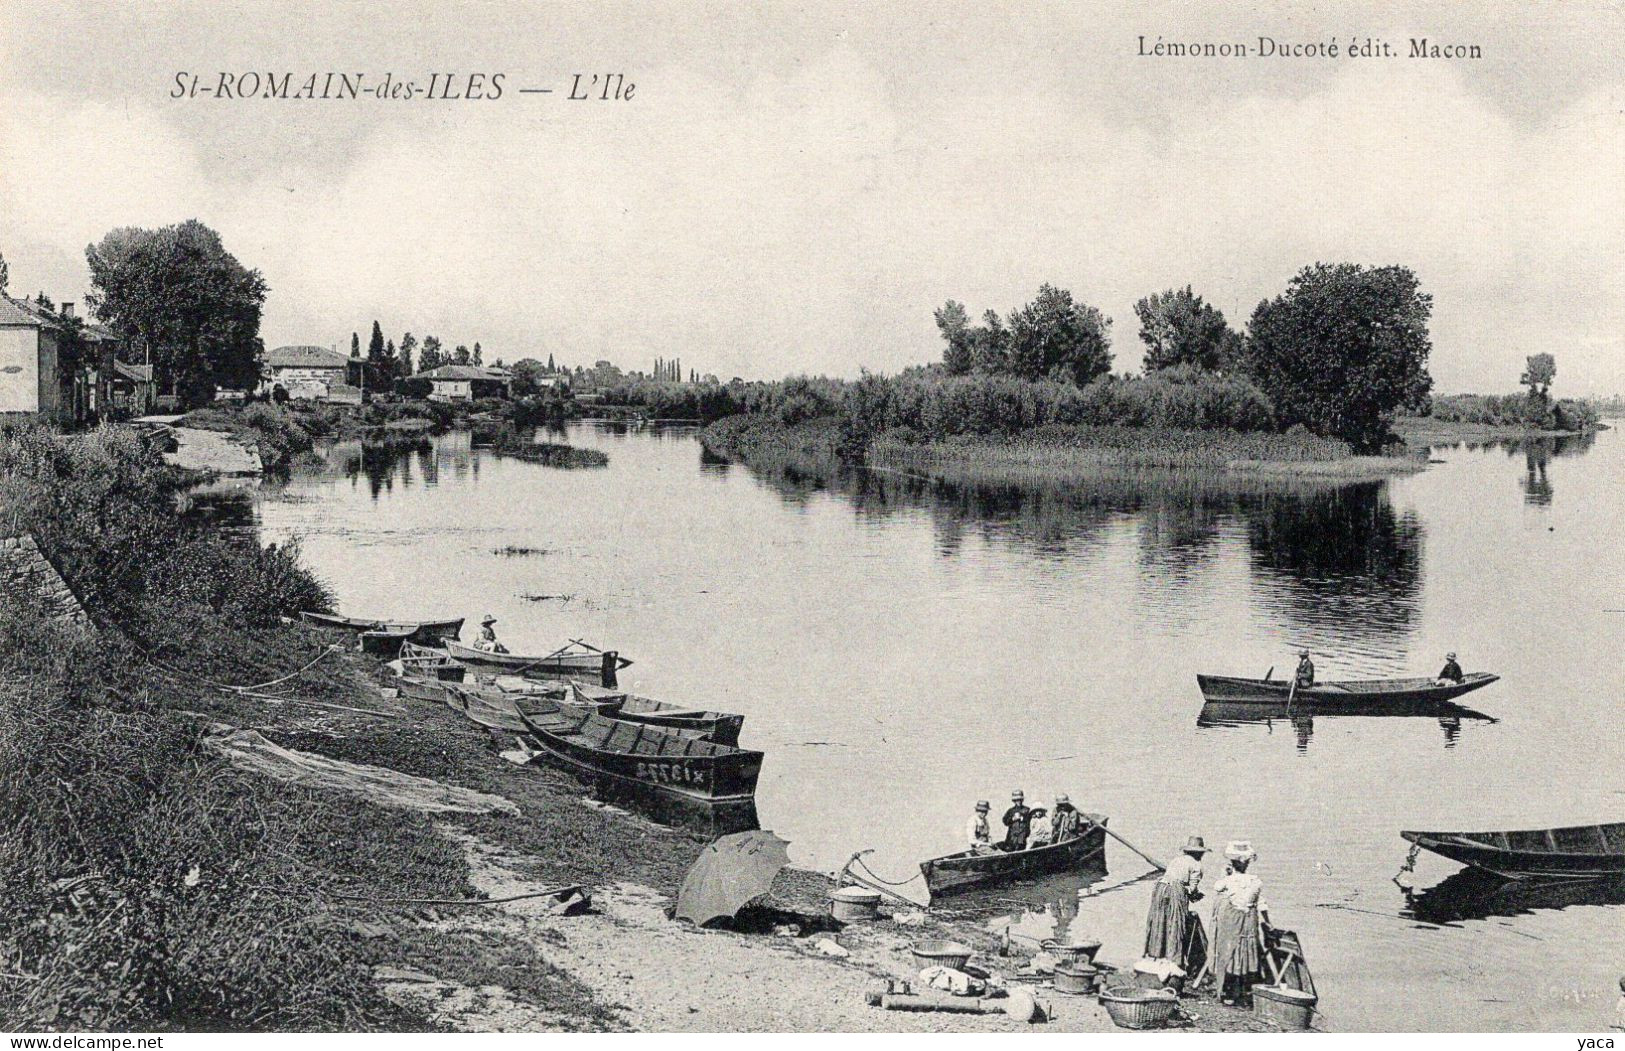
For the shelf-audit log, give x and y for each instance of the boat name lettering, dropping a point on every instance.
(671, 773)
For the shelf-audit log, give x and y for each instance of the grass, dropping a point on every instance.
(551, 454)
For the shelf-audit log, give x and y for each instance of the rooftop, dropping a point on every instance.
(23, 312)
(306, 357)
(466, 372)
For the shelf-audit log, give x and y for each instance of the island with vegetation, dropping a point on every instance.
(1324, 383)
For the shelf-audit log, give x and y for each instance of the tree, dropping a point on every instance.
(355, 345)
(460, 356)
(1343, 349)
(403, 361)
(177, 291)
(5, 275)
(1178, 328)
(527, 373)
(1538, 373)
(431, 357)
(953, 321)
(1053, 337)
(477, 354)
(551, 368)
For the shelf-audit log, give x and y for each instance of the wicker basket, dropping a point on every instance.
(938, 951)
(1135, 1008)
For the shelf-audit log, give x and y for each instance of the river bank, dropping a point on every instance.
(1421, 431)
(160, 882)
(1053, 454)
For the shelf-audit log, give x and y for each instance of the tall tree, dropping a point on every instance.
(1343, 349)
(431, 356)
(551, 368)
(403, 361)
(1178, 328)
(177, 291)
(477, 355)
(5, 275)
(355, 345)
(953, 321)
(1538, 373)
(1056, 338)
(460, 356)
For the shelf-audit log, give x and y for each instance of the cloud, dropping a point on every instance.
(808, 215)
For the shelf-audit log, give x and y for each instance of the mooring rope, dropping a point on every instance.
(865, 866)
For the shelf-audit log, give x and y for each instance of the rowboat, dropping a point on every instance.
(419, 630)
(627, 759)
(967, 870)
(575, 661)
(1367, 693)
(721, 727)
(1575, 852)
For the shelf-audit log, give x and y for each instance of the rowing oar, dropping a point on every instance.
(1154, 862)
(1291, 693)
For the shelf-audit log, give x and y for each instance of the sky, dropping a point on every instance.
(795, 187)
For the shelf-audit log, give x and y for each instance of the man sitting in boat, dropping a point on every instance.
(1306, 670)
(1041, 832)
(977, 832)
(488, 637)
(1064, 820)
(1015, 822)
(1451, 672)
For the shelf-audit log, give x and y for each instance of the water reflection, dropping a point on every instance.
(1475, 895)
(1301, 718)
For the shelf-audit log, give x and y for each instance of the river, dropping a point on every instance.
(902, 649)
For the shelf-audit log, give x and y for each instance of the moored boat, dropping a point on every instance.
(1575, 852)
(1373, 693)
(575, 661)
(635, 760)
(967, 870)
(417, 630)
(721, 727)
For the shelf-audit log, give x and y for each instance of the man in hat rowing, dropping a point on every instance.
(488, 637)
(1064, 819)
(1167, 925)
(977, 833)
(1016, 822)
(1451, 672)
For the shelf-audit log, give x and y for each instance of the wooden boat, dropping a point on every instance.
(575, 661)
(385, 642)
(967, 870)
(721, 727)
(1576, 852)
(1348, 695)
(426, 671)
(642, 762)
(418, 630)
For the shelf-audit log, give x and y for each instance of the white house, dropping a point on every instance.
(465, 382)
(29, 377)
(305, 371)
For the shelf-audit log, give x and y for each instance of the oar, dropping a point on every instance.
(1154, 862)
(1291, 693)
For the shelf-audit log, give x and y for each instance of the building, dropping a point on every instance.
(132, 391)
(308, 372)
(50, 364)
(467, 382)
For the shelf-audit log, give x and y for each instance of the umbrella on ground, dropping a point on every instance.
(730, 874)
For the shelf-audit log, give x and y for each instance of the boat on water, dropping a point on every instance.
(578, 660)
(639, 761)
(721, 727)
(1575, 852)
(417, 630)
(1367, 693)
(968, 870)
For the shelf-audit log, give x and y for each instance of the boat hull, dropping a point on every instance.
(962, 872)
(1575, 852)
(416, 630)
(1349, 696)
(593, 667)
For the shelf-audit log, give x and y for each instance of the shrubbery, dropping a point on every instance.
(1516, 410)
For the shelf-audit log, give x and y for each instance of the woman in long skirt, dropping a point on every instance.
(1167, 925)
(1238, 937)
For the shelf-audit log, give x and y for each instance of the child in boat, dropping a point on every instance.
(977, 833)
(1040, 831)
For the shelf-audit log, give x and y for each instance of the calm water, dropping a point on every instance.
(902, 649)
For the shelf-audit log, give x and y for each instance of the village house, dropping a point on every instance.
(132, 391)
(310, 373)
(467, 382)
(37, 370)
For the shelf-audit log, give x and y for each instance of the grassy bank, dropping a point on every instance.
(1420, 431)
(1051, 453)
(549, 454)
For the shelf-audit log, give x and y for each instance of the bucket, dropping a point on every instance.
(852, 904)
(1075, 978)
(1286, 1007)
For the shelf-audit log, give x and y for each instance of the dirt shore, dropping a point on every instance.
(625, 965)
